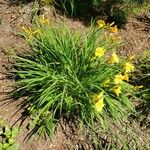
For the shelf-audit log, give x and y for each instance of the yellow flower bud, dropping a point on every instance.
(138, 87)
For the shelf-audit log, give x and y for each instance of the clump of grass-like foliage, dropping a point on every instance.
(73, 74)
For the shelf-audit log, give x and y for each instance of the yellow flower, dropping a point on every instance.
(106, 83)
(113, 58)
(118, 79)
(117, 90)
(99, 105)
(114, 29)
(128, 67)
(101, 23)
(97, 97)
(30, 32)
(26, 30)
(43, 20)
(100, 95)
(99, 52)
(126, 77)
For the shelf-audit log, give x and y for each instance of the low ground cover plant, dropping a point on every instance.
(7, 137)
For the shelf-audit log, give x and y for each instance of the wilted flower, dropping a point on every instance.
(114, 29)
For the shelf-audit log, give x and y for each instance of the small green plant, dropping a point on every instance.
(7, 136)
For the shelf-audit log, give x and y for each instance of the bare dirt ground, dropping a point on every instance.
(12, 17)
(136, 34)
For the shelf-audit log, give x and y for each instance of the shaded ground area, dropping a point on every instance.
(12, 18)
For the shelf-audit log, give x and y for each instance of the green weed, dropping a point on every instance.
(7, 136)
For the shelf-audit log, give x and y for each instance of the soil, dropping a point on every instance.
(12, 17)
(136, 35)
